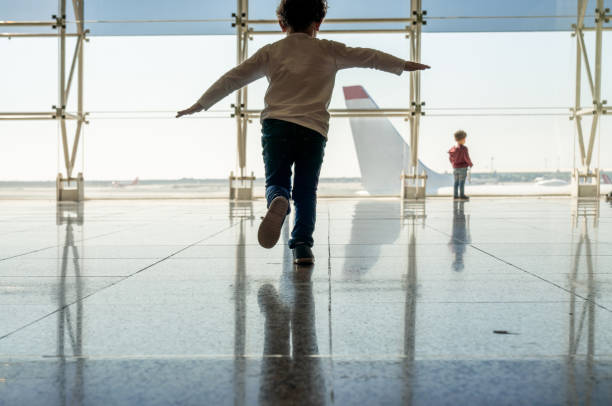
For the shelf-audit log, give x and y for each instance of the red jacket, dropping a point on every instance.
(460, 157)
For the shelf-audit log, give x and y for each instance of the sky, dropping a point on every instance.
(472, 73)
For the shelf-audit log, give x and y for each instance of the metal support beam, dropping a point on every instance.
(241, 186)
(29, 115)
(65, 181)
(415, 88)
(345, 113)
(49, 23)
(72, 66)
(70, 151)
(595, 29)
(587, 67)
(341, 21)
(588, 111)
(586, 178)
(79, 12)
(61, 80)
(578, 33)
(600, 16)
(414, 188)
(348, 31)
(10, 35)
(242, 94)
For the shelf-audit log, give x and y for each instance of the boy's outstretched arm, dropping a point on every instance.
(412, 66)
(243, 74)
(349, 57)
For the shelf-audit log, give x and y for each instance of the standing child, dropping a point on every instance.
(460, 158)
(301, 71)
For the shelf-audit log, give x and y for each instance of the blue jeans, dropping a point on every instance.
(460, 175)
(286, 145)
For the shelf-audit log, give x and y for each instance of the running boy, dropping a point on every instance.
(460, 158)
(301, 71)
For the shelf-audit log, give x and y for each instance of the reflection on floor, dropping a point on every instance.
(493, 301)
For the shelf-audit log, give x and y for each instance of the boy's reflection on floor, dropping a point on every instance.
(291, 369)
(460, 235)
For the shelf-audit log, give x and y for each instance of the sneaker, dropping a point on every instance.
(270, 227)
(464, 198)
(302, 254)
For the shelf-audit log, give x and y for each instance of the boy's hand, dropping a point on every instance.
(193, 109)
(412, 66)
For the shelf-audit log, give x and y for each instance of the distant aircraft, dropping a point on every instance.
(382, 153)
(118, 184)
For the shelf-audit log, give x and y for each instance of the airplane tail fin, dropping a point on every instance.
(135, 181)
(381, 151)
(606, 179)
(380, 148)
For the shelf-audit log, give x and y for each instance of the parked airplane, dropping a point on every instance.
(118, 184)
(382, 153)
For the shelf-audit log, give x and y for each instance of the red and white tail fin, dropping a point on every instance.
(135, 181)
(380, 148)
(381, 151)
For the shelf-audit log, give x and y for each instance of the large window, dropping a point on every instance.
(510, 92)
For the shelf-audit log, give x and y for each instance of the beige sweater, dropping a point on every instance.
(301, 72)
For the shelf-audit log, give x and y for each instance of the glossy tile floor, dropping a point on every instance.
(495, 301)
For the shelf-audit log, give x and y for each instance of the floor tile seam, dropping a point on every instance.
(90, 217)
(229, 257)
(28, 253)
(15, 359)
(372, 243)
(329, 293)
(522, 269)
(114, 283)
(210, 275)
(374, 302)
(539, 228)
(24, 230)
(99, 258)
(59, 245)
(56, 276)
(467, 302)
(550, 282)
(81, 240)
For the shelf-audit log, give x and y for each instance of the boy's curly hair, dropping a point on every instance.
(299, 14)
(459, 135)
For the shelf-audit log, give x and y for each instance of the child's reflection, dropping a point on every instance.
(290, 377)
(460, 235)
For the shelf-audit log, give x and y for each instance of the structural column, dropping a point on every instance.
(413, 183)
(241, 185)
(586, 177)
(70, 187)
